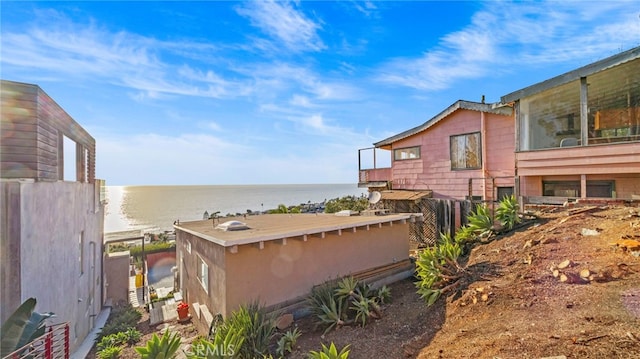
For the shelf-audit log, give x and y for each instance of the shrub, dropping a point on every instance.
(507, 212)
(287, 342)
(110, 352)
(122, 318)
(347, 301)
(481, 221)
(346, 203)
(330, 352)
(438, 270)
(164, 347)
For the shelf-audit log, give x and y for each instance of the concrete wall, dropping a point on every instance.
(116, 276)
(53, 217)
(433, 170)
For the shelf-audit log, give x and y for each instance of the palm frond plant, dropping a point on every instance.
(22, 327)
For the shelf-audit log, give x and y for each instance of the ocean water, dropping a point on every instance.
(155, 208)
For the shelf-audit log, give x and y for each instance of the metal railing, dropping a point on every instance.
(53, 344)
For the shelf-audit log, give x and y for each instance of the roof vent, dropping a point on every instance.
(232, 226)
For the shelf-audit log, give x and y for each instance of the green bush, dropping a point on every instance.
(347, 301)
(122, 318)
(164, 347)
(287, 342)
(507, 212)
(481, 221)
(154, 247)
(346, 203)
(438, 269)
(330, 352)
(110, 352)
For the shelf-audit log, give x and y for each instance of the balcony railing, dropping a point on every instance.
(53, 344)
(371, 168)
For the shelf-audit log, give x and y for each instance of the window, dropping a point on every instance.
(614, 104)
(203, 274)
(188, 247)
(466, 151)
(604, 189)
(553, 118)
(408, 153)
(81, 248)
(549, 117)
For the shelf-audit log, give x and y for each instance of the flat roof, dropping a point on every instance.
(268, 227)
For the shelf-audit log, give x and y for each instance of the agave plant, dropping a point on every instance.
(22, 327)
(438, 270)
(164, 347)
(225, 344)
(256, 327)
(481, 222)
(330, 352)
(287, 342)
(507, 212)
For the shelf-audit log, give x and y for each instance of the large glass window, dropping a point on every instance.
(466, 151)
(548, 118)
(614, 104)
(408, 153)
(552, 118)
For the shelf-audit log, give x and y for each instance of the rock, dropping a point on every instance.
(572, 278)
(585, 273)
(589, 232)
(284, 321)
(565, 264)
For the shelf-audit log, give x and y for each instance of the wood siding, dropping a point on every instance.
(433, 169)
(32, 129)
(615, 162)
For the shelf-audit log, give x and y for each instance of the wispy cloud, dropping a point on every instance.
(516, 36)
(284, 23)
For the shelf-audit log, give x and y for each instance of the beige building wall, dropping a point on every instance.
(116, 276)
(280, 272)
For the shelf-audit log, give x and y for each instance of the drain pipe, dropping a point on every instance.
(483, 139)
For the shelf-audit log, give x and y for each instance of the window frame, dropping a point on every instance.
(479, 151)
(417, 151)
(203, 274)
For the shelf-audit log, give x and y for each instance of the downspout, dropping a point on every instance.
(483, 146)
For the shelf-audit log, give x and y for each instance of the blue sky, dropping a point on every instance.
(260, 92)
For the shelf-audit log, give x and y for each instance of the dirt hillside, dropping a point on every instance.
(515, 307)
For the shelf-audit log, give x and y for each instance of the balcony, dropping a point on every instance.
(373, 171)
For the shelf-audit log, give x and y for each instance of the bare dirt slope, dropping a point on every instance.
(515, 307)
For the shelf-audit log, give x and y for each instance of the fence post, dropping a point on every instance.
(66, 340)
(48, 344)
